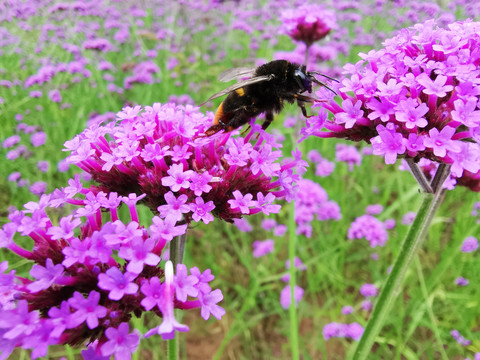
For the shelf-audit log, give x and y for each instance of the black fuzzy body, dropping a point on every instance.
(249, 101)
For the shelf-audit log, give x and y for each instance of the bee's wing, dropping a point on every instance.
(236, 73)
(239, 85)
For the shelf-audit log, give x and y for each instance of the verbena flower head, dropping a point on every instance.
(353, 331)
(312, 201)
(158, 152)
(416, 98)
(308, 23)
(470, 244)
(91, 273)
(370, 228)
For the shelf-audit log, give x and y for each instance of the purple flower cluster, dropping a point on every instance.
(470, 244)
(459, 338)
(461, 281)
(323, 167)
(370, 228)
(308, 23)
(160, 152)
(352, 331)
(368, 290)
(142, 74)
(285, 294)
(476, 211)
(348, 154)
(262, 248)
(90, 276)
(312, 200)
(416, 98)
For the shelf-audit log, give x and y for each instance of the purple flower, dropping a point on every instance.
(262, 248)
(55, 96)
(43, 166)
(242, 202)
(388, 143)
(414, 99)
(368, 290)
(390, 224)
(11, 141)
(117, 283)
(165, 304)
(311, 201)
(166, 229)
(139, 253)
(280, 230)
(242, 225)
(46, 276)
(370, 228)
(268, 224)
(408, 218)
(161, 149)
(80, 290)
(334, 329)
(436, 87)
(470, 244)
(353, 331)
(14, 177)
(461, 281)
(120, 342)
(175, 207)
(308, 22)
(209, 304)
(286, 297)
(38, 139)
(178, 179)
(38, 188)
(441, 141)
(201, 211)
(346, 310)
(366, 305)
(348, 154)
(459, 338)
(87, 310)
(374, 209)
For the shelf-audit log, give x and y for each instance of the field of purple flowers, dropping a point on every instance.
(127, 233)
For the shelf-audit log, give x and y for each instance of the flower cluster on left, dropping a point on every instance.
(92, 272)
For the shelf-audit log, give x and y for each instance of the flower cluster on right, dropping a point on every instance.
(417, 98)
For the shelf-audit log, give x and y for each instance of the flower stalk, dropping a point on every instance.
(177, 250)
(392, 288)
(292, 309)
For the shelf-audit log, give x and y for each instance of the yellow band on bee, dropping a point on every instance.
(218, 114)
(240, 92)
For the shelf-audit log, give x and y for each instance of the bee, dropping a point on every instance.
(269, 86)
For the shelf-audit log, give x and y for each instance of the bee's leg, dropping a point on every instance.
(215, 128)
(246, 130)
(268, 120)
(301, 104)
(306, 98)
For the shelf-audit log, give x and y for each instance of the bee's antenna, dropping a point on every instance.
(316, 81)
(328, 77)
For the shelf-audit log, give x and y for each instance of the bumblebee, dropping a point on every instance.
(269, 86)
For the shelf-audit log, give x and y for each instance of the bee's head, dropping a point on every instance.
(303, 79)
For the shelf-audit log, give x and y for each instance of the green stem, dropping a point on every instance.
(307, 53)
(177, 249)
(392, 287)
(419, 176)
(293, 310)
(172, 349)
